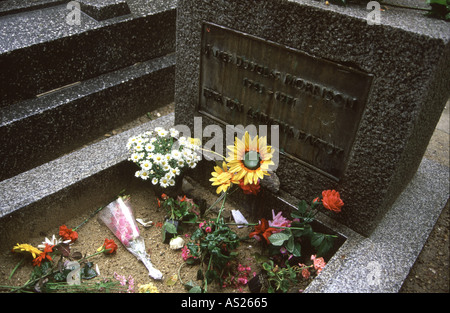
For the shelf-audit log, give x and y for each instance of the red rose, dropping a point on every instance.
(67, 234)
(332, 201)
(111, 245)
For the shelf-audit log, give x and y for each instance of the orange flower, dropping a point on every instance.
(44, 255)
(332, 201)
(67, 234)
(249, 189)
(262, 229)
(111, 245)
(164, 196)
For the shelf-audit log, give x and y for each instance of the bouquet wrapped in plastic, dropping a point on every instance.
(119, 218)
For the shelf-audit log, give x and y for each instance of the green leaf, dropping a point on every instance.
(196, 289)
(290, 244)
(170, 228)
(278, 239)
(297, 249)
(302, 207)
(325, 246)
(317, 239)
(88, 272)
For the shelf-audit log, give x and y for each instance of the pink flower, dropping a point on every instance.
(185, 253)
(208, 229)
(319, 263)
(279, 221)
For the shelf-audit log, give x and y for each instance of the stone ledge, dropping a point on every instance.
(53, 177)
(40, 130)
(104, 9)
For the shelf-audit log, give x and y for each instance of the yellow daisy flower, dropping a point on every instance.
(148, 288)
(250, 158)
(222, 178)
(24, 247)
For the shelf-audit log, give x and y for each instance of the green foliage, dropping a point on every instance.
(290, 237)
(179, 210)
(280, 279)
(213, 244)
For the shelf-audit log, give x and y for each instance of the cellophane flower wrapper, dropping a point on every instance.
(119, 218)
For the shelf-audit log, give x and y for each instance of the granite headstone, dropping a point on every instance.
(355, 102)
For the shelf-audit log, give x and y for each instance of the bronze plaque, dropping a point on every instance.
(317, 103)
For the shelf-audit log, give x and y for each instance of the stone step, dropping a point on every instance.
(41, 51)
(35, 131)
(50, 193)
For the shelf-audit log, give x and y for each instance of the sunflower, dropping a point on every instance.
(223, 178)
(250, 158)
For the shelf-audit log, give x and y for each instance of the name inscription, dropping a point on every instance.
(317, 103)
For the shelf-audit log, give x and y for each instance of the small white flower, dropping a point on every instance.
(153, 139)
(166, 168)
(158, 158)
(154, 180)
(149, 147)
(137, 174)
(171, 182)
(135, 157)
(52, 242)
(176, 154)
(164, 182)
(162, 133)
(168, 175)
(139, 147)
(144, 175)
(146, 165)
(175, 171)
(168, 157)
(180, 163)
(174, 132)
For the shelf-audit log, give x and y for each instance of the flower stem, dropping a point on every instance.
(222, 207)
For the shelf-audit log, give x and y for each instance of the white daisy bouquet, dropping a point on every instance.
(162, 156)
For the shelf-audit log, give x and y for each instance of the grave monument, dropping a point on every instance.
(355, 103)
